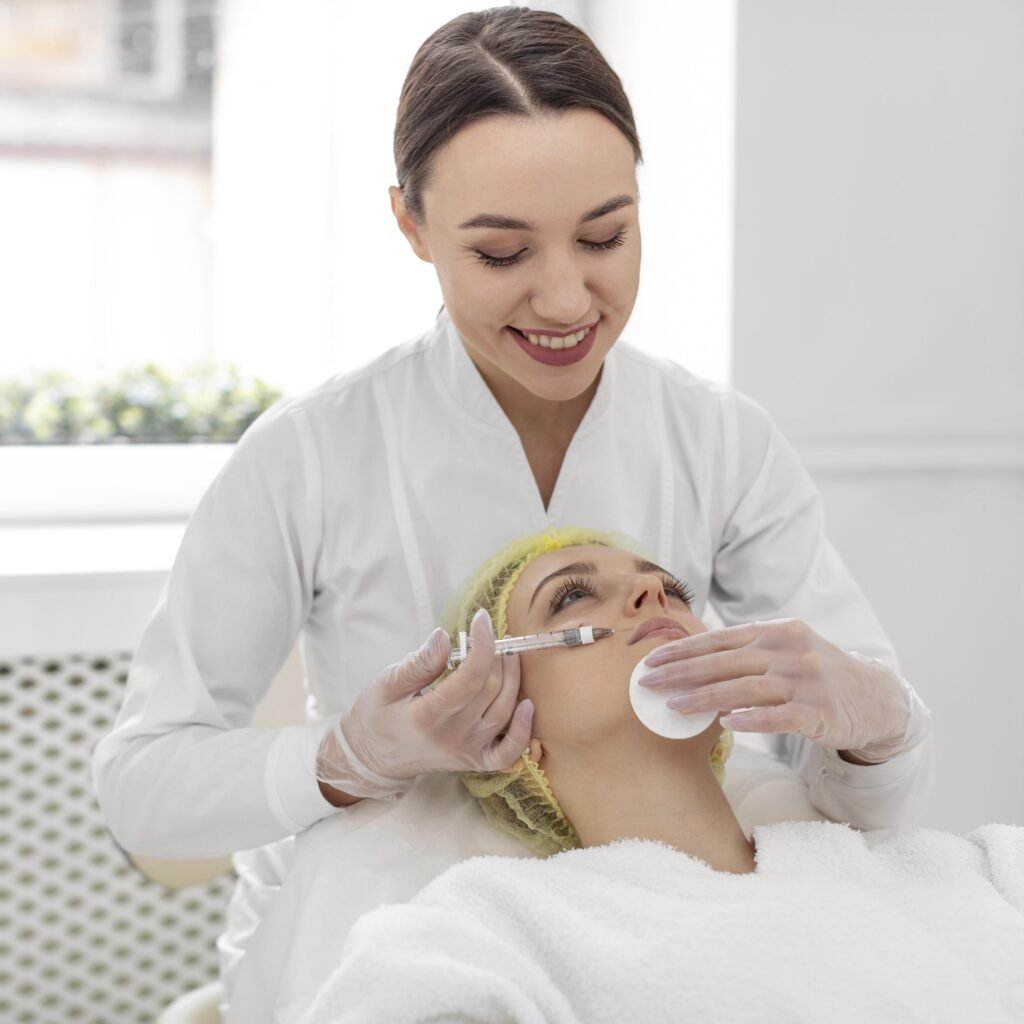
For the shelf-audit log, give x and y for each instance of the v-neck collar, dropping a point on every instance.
(469, 391)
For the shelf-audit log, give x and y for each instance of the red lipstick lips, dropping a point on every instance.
(556, 356)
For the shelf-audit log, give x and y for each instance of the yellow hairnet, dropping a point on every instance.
(491, 584)
(520, 801)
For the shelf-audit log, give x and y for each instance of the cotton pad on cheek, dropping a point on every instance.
(649, 707)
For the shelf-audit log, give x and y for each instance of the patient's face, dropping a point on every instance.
(581, 694)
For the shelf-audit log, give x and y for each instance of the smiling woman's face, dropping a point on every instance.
(568, 257)
(581, 694)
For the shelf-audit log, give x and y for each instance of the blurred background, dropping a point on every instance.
(194, 220)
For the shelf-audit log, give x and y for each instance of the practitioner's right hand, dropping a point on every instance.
(394, 733)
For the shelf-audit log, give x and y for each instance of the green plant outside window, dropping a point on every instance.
(145, 406)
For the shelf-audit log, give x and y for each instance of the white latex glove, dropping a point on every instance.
(393, 733)
(794, 681)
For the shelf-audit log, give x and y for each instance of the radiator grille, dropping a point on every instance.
(84, 937)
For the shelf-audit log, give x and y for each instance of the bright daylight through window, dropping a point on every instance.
(187, 236)
(105, 149)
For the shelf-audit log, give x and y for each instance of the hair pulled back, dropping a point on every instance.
(510, 61)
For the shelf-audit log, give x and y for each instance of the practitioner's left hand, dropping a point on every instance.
(793, 680)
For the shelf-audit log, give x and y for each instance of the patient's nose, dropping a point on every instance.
(647, 592)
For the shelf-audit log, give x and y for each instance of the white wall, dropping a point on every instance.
(879, 315)
(677, 64)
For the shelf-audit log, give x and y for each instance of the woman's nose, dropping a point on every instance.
(560, 295)
(648, 593)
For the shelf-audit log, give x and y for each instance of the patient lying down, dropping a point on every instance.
(655, 905)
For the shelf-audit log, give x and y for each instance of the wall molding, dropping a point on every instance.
(899, 455)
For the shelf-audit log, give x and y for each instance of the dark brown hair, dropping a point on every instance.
(508, 61)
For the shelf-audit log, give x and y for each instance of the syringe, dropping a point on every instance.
(534, 642)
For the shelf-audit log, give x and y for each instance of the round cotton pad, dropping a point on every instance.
(650, 708)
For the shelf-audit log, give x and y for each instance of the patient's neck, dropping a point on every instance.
(649, 788)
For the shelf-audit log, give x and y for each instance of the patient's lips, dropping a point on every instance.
(656, 624)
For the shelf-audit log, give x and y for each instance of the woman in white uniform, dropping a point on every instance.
(347, 514)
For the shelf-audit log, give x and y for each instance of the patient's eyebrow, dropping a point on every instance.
(642, 565)
(566, 570)
(497, 220)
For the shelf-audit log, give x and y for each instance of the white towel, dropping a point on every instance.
(348, 864)
(834, 925)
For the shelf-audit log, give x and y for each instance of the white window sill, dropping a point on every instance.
(49, 554)
(110, 514)
(81, 587)
(82, 484)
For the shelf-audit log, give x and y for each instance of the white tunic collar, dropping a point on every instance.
(462, 380)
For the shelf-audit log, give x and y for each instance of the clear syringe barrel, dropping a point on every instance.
(538, 641)
(533, 642)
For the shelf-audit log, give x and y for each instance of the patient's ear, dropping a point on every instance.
(536, 750)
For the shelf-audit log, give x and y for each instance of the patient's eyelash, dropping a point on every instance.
(673, 584)
(572, 584)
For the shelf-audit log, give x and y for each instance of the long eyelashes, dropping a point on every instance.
(577, 583)
(675, 583)
(507, 261)
(570, 585)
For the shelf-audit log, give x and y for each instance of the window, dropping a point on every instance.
(187, 183)
(105, 145)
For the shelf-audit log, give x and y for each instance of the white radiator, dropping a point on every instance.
(84, 937)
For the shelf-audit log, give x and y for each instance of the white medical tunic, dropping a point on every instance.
(348, 515)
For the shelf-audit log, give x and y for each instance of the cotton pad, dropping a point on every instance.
(650, 708)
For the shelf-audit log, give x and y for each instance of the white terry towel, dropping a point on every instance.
(833, 925)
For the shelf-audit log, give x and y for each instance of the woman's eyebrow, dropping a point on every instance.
(642, 565)
(497, 220)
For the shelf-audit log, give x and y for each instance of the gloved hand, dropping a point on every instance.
(795, 681)
(393, 733)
